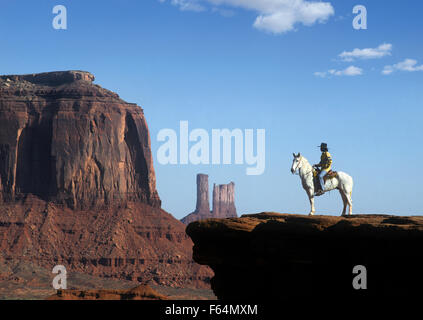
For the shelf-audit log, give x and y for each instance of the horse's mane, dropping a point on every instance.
(305, 160)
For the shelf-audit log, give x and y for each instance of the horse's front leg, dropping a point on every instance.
(310, 193)
(344, 201)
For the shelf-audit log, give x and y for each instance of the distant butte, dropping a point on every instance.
(223, 201)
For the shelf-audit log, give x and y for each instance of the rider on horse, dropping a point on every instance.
(325, 165)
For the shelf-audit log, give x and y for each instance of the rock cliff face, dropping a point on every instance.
(271, 256)
(223, 201)
(78, 187)
(72, 142)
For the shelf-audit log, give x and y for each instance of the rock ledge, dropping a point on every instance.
(272, 256)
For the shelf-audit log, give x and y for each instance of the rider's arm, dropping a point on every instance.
(320, 164)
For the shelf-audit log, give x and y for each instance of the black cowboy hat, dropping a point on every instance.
(323, 146)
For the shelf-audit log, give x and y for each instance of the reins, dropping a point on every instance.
(298, 169)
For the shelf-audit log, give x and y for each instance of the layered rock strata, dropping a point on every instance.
(72, 142)
(139, 293)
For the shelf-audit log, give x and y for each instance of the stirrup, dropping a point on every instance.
(319, 193)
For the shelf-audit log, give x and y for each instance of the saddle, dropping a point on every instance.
(330, 175)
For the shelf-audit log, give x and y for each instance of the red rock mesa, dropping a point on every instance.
(78, 187)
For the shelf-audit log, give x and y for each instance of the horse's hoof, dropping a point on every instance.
(311, 214)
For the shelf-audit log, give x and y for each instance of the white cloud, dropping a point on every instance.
(409, 65)
(387, 70)
(224, 12)
(187, 5)
(320, 74)
(368, 53)
(351, 71)
(276, 16)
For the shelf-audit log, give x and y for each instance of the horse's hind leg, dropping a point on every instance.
(344, 201)
(310, 194)
(349, 199)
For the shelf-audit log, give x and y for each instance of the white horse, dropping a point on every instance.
(343, 182)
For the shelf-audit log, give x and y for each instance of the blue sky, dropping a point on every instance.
(252, 64)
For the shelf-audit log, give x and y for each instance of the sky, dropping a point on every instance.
(297, 69)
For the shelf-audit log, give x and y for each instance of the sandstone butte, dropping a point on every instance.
(78, 187)
(223, 201)
(271, 256)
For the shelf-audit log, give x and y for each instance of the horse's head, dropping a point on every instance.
(296, 163)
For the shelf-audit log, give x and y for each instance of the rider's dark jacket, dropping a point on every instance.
(325, 161)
